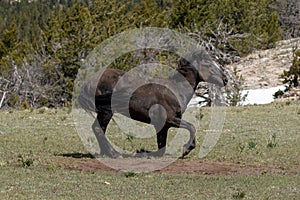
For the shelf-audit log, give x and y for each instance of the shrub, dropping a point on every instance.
(292, 76)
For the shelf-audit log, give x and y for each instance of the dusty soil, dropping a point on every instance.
(183, 166)
(262, 69)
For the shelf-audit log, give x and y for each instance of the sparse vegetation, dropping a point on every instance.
(25, 162)
(272, 143)
(292, 76)
(252, 145)
(241, 147)
(31, 165)
(238, 195)
(234, 91)
(130, 174)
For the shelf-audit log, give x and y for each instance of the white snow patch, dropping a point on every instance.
(255, 96)
(194, 102)
(261, 96)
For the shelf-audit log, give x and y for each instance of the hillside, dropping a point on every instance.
(262, 68)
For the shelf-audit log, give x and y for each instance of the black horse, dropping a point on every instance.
(152, 103)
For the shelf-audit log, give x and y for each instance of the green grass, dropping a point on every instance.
(259, 135)
(253, 128)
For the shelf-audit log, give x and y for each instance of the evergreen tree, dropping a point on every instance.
(192, 14)
(69, 38)
(251, 24)
(243, 25)
(292, 76)
(12, 49)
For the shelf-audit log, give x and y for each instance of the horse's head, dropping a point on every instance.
(206, 69)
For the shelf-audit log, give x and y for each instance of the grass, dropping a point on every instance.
(257, 135)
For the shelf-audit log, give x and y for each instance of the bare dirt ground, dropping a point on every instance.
(183, 166)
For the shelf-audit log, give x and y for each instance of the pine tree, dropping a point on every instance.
(12, 50)
(69, 38)
(252, 24)
(292, 76)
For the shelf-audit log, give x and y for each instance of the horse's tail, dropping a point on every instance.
(86, 98)
(91, 102)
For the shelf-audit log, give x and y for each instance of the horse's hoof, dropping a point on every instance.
(187, 149)
(144, 153)
(141, 153)
(112, 154)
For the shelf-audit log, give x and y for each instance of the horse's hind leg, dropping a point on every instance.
(99, 128)
(161, 141)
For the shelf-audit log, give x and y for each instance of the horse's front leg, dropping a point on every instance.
(191, 144)
(99, 128)
(161, 144)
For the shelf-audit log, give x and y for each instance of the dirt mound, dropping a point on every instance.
(183, 166)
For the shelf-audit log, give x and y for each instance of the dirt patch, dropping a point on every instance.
(222, 168)
(183, 166)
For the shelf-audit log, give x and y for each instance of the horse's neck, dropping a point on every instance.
(191, 76)
(186, 81)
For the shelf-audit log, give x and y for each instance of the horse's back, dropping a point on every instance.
(97, 90)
